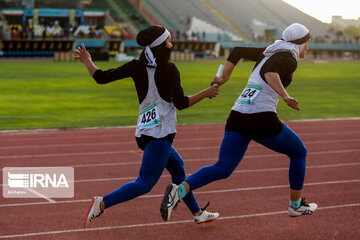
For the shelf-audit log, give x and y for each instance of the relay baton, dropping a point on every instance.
(219, 72)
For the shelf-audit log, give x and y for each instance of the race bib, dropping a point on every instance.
(249, 94)
(149, 117)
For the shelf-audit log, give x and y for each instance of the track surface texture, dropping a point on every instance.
(252, 202)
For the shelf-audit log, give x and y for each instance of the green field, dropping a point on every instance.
(63, 95)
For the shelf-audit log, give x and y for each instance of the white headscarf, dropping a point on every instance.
(294, 33)
(149, 54)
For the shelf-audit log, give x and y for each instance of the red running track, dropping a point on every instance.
(252, 203)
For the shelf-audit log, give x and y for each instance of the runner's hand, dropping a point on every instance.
(292, 102)
(212, 91)
(82, 54)
(218, 81)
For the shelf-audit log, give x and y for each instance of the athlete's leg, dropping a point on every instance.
(156, 155)
(232, 150)
(289, 143)
(175, 166)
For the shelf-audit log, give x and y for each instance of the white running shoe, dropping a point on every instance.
(304, 209)
(206, 217)
(94, 210)
(170, 201)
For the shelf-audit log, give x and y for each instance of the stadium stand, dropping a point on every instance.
(8, 4)
(101, 4)
(179, 14)
(206, 28)
(131, 13)
(252, 16)
(201, 30)
(121, 11)
(256, 22)
(248, 19)
(71, 4)
(113, 31)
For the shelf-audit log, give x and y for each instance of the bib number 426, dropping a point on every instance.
(149, 117)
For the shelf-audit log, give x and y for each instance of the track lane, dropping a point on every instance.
(243, 211)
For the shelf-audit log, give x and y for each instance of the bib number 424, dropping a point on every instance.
(249, 94)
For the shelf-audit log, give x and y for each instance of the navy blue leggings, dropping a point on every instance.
(233, 148)
(158, 155)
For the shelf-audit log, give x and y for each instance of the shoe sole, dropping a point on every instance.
(88, 211)
(163, 207)
(307, 214)
(302, 214)
(207, 221)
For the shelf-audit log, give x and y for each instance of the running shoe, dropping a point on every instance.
(304, 209)
(170, 201)
(94, 210)
(206, 217)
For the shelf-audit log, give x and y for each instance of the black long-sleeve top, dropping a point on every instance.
(282, 63)
(167, 79)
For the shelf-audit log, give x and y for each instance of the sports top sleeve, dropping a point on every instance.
(177, 96)
(167, 80)
(103, 77)
(282, 63)
(249, 53)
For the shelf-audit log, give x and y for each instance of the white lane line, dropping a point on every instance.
(182, 137)
(154, 224)
(235, 172)
(275, 187)
(118, 143)
(56, 130)
(44, 203)
(196, 192)
(140, 152)
(40, 195)
(110, 143)
(324, 119)
(192, 160)
(67, 154)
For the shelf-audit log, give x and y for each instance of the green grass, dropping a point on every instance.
(63, 95)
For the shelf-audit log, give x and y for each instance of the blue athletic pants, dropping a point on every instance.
(233, 148)
(158, 155)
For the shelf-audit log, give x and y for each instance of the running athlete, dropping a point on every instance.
(157, 83)
(254, 117)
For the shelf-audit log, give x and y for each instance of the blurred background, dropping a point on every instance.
(201, 29)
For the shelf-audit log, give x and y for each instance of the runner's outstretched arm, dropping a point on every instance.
(84, 56)
(209, 92)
